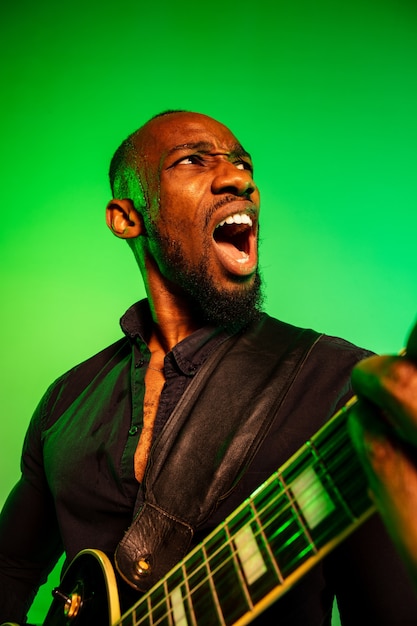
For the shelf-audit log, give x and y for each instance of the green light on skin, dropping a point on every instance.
(127, 185)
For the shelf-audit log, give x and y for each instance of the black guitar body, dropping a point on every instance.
(87, 594)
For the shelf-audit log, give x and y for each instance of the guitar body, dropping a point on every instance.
(90, 587)
(87, 594)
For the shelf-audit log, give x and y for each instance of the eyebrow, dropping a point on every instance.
(205, 146)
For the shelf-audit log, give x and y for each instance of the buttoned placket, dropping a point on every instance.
(140, 359)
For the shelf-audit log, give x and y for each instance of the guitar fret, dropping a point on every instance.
(188, 595)
(343, 457)
(225, 577)
(149, 612)
(245, 560)
(312, 498)
(342, 464)
(266, 543)
(265, 576)
(166, 618)
(202, 595)
(331, 491)
(132, 618)
(283, 530)
(295, 494)
(178, 591)
(301, 537)
(177, 615)
(159, 600)
(213, 589)
(316, 504)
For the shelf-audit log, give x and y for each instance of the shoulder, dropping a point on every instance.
(90, 366)
(331, 346)
(324, 379)
(67, 387)
(270, 331)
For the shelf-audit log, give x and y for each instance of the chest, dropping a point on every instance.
(154, 383)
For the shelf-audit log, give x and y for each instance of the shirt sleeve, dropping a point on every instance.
(30, 543)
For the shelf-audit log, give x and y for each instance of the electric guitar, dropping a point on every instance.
(303, 511)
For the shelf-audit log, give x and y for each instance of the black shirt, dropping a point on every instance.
(78, 488)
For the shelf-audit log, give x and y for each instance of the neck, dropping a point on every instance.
(174, 319)
(174, 316)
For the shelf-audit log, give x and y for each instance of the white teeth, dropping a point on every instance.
(244, 258)
(236, 218)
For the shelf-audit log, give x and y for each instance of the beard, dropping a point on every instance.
(213, 304)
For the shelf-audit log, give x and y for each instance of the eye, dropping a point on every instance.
(191, 159)
(244, 165)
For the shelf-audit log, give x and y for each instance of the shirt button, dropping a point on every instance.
(133, 430)
(140, 363)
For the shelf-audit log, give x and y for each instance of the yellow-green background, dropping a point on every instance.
(322, 92)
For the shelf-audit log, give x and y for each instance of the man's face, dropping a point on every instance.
(203, 210)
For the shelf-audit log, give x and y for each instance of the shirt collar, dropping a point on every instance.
(190, 353)
(137, 321)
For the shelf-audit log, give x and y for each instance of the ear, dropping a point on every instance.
(123, 219)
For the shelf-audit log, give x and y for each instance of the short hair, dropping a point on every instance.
(124, 171)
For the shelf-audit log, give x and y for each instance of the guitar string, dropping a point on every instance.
(208, 576)
(187, 597)
(271, 504)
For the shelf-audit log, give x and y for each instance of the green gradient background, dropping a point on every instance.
(322, 93)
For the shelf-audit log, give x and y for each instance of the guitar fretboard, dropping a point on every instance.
(289, 523)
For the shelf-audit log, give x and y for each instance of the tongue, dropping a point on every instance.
(231, 250)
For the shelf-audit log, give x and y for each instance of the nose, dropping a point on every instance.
(231, 179)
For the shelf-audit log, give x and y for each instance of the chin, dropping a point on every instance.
(231, 308)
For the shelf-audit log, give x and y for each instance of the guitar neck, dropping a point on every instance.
(268, 543)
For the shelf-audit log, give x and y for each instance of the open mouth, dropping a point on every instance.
(235, 241)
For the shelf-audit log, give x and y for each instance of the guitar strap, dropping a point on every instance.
(208, 442)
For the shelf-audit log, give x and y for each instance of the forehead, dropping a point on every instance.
(159, 137)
